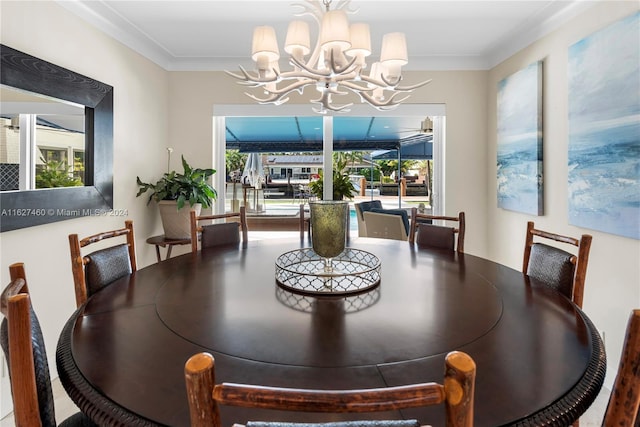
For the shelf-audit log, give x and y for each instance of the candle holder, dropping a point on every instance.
(328, 230)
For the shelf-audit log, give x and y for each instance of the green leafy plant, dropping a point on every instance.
(55, 174)
(342, 185)
(192, 185)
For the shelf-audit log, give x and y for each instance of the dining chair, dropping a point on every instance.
(624, 401)
(102, 267)
(426, 234)
(555, 267)
(456, 394)
(23, 346)
(217, 234)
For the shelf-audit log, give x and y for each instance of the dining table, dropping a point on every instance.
(120, 357)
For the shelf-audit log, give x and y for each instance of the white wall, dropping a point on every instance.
(612, 286)
(141, 125)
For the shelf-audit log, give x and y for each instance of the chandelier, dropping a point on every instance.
(337, 65)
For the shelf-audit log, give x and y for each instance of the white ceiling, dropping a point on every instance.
(186, 35)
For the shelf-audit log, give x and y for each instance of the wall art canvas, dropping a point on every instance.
(604, 129)
(520, 141)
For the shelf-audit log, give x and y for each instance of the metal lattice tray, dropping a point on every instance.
(347, 303)
(302, 271)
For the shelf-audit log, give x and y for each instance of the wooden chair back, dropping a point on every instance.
(196, 227)
(23, 345)
(416, 235)
(79, 262)
(579, 261)
(16, 307)
(455, 393)
(624, 401)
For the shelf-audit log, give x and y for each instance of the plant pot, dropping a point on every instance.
(176, 223)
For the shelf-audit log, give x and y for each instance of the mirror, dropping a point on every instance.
(26, 208)
(42, 141)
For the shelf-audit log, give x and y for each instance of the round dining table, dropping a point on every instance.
(120, 357)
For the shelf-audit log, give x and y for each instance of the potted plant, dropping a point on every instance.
(173, 191)
(342, 185)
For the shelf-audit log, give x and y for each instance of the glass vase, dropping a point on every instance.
(328, 229)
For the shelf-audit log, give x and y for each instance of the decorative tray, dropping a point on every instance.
(302, 271)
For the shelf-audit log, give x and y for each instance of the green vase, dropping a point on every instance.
(328, 229)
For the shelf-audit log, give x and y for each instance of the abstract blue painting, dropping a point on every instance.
(520, 141)
(604, 129)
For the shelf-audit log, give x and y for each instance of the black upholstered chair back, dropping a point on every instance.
(556, 267)
(553, 267)
(98, 269)
(41, 365)
(425, 234)
(435, 236)
(106, 266)
(217, 234)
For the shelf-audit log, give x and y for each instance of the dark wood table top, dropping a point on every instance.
(121, 356)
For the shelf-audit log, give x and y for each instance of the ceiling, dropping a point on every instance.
(216, 34)
(187, 35)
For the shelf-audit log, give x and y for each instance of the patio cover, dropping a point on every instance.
(415, 149)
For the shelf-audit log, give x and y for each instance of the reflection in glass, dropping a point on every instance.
(42, 142)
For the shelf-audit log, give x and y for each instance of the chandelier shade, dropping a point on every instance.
(298, 41)
(360, 41)
(335, 66)
(264, 48)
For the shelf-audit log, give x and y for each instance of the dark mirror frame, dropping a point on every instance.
(22, 209)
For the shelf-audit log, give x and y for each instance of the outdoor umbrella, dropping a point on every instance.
(253, 173)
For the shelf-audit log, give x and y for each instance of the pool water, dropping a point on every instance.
(353, 220)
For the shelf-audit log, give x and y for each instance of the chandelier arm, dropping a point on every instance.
(391, 102)
(254, 80)
(308, 69)
(335, 68)
(355, 87)
(271, 99)
(325, 100)
(412, 87)
(290, 88)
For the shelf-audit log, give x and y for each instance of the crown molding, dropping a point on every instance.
(521, 39)
(105, 19)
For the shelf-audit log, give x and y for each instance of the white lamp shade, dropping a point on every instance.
(360, 40)
(265, 45)
(298, 38)
(334, 31)
(394, 50)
